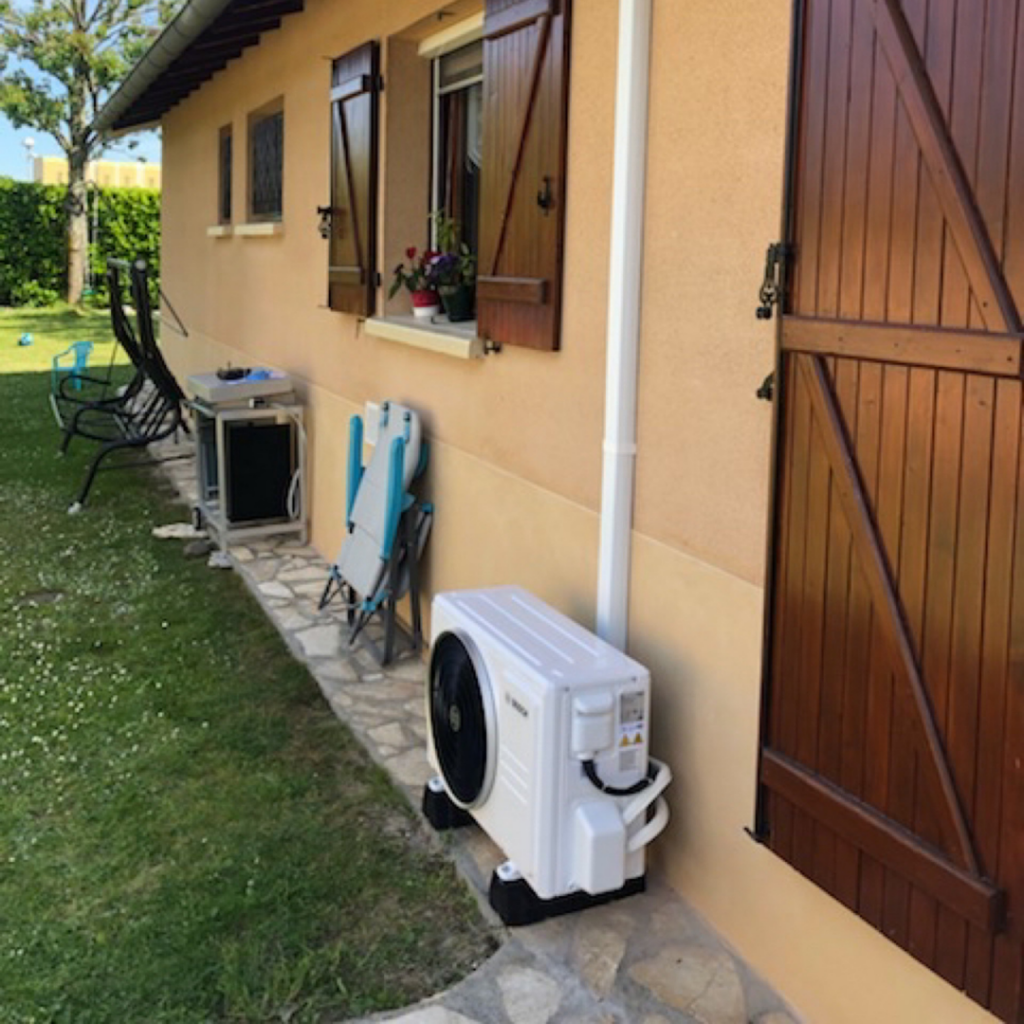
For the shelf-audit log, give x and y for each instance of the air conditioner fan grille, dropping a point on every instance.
(457, 719)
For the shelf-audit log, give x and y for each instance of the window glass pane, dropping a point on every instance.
(458, 163)
(462, 65)
(267, 159)
(225, 176)
(474, 125)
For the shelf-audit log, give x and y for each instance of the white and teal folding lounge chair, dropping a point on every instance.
(387, 530)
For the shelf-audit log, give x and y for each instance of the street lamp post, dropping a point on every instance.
(30, 152)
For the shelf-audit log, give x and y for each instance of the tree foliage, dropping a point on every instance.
(60, 60)
(33, 238)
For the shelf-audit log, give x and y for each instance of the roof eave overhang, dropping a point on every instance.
(201, 39)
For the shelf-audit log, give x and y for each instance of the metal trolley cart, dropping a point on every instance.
(250, 457)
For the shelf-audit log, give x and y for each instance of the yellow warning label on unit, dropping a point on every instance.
(632, 719)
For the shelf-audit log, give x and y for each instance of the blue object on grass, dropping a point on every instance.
(79, 353)
(25, 340)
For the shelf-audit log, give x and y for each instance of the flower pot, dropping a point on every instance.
(459, 302)
(425, 304)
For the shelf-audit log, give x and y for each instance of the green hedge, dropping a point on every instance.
(33, 238)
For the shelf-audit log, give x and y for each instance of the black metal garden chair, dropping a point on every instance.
(155, 409)
(71, 394)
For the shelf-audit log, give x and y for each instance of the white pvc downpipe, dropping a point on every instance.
(624, 291)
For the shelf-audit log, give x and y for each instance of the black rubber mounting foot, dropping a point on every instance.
(517, 904)
(441, 812)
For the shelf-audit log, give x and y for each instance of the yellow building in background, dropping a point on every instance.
(53, 170)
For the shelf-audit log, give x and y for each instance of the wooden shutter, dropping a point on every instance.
(892, 762)
(522, 206)
(352, 270)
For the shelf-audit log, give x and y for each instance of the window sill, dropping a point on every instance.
(456, 340)
(260, 229)
(219, 231)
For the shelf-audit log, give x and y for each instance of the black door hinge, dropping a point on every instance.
(771, 288)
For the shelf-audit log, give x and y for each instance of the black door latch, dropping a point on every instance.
(545, 197)
(326, 219)
(770, 293)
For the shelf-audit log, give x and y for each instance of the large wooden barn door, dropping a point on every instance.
(892, 768)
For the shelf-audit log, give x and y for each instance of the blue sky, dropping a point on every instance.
(13, 159)
(13, 162)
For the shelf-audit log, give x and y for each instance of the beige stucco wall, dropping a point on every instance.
(517, 437)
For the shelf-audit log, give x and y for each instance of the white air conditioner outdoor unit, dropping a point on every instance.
(540, 733)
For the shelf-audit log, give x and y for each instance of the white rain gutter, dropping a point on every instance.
(190, 22)
(625, 282)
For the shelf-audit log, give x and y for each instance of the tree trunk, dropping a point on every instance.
(78, 225)
(78, 196)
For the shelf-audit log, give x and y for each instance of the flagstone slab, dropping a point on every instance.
(529, 996)
(597, 954)
(337, 670)
(302, 574)
(297, 550)
(413, 669)
(432, 1015)
(392, 734)
(380, 689)
(410, 768)
(699, 981)
(290, 620)
(261, 571)
(367, 720)
(319, 641)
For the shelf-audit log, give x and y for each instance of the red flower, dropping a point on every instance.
(410, 253)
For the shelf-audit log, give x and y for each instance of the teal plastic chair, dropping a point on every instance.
(387, 530)
(73, 361)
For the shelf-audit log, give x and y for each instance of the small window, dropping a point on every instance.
(266, 162)
(224, 177)
(458, 119)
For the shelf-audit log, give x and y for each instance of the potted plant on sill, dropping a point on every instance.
(420, 280)
(455, 268)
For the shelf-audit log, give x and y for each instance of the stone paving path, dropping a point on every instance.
(648, 959)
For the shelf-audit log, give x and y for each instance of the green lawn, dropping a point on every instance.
(187, 834)
(53, 330)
